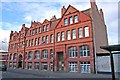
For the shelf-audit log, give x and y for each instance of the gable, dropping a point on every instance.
(45, 21)
(70, 9)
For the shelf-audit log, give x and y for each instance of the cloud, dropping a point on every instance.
(28, 18)
(57, 0)
(40, 10)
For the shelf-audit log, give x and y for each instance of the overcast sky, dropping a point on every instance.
(14, 13)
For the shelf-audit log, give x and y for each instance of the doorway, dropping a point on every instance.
(20, 61)
(60, 61)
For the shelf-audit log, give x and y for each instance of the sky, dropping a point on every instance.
(14, 13)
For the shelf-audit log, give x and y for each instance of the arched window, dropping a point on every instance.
(84, 51)
(72, 52)
(37, 55)
(30, 55)
(44, 54)
(15, 56)
(10, 56)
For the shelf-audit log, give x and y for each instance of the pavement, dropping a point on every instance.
(20, 73)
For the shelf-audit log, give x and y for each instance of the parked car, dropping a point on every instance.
(3, 68)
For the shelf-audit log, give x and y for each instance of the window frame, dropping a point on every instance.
(72, 51)
(85, 67)
(73, 33)
(68, 35)
(76, 19)
(71, 20)
(86, 31)
(85, 51)
(73, 67)
(58, 36)
(63, 36)
(44, 54)
(65, 21)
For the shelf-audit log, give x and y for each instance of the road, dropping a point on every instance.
(20, 73)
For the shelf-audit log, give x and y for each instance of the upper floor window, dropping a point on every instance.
(68, 35)
(15, 56)
(63, 36)
(86, 30)
(10, 56)
(51, 38)
(84, 51)
(75, 19)
(27, 43)
(47, 39)
(16, 46)
(47, 27)
(71, 20)
(45, 54)
(80, 34)
(43, 39)
(32, 42)
(30, 55)
(39, 29)
(58, 36)
(21, 44)
(65, 21)
(44, 28)
(73, 34)
(72, 52)
(36, 40)
(37, 55)
(38, 43)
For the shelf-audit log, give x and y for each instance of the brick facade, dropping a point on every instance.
(64, 44)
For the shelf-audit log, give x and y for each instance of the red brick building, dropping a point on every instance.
(69, 43)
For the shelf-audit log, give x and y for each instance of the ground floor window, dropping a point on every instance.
(29, 65)
(44, 66)
(51, 66)
(73, 67)
(14, 65)
(85, 67)
(10, 64)
(36, 65)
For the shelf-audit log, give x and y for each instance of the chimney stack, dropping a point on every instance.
(101, 14)
(93, 3)
(53, 18)
(63, 10)
(23, 25)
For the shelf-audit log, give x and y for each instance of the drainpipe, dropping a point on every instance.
(94, 48)
(54, 51)
(24, 49)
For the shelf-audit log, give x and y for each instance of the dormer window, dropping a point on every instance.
(65, 21)
(75, 19)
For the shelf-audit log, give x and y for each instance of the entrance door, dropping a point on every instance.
(20, 62)
(60, 61)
